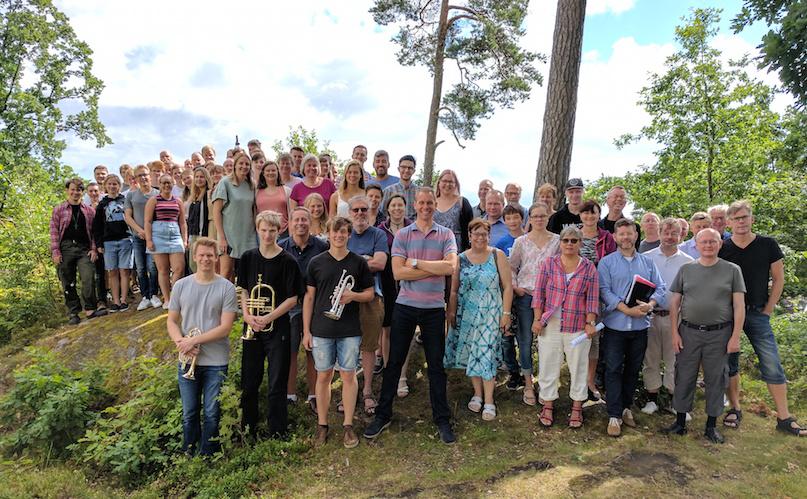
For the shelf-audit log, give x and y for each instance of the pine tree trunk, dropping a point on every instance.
(437, 92)
(561, 98)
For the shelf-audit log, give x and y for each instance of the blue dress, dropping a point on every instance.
(476, 343)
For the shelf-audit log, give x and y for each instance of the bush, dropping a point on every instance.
(138, 437)
(49, 406)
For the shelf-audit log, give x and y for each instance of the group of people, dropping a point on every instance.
(351, 266)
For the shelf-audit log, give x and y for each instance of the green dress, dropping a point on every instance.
(237, 215)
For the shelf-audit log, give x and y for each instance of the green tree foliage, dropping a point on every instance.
(719, 141)
(307, 139)
(784, 46)
(481, 38)
(47, 92)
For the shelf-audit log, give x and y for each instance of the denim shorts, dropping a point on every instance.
(758, 330)
(167, 238)
(342, 353)
(118, 254)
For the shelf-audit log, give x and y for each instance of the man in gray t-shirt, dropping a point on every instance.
(709, 295)
(205, 301)
(134, 213)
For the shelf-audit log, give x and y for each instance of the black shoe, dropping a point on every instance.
(674, 429)
(714, 436)
(375, 428)
(74, 320)
(515, 382)
(446, 434)
(123, 307)
(113, 308)
(98, 313)
(312, 405)
(379, 365)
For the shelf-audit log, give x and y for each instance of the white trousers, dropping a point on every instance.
(552, 345)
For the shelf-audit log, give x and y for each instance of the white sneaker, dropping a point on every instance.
(689, 417)
(156, 302)
(144, 304)
(650, 407)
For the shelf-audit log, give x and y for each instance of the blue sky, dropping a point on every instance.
(198, 73)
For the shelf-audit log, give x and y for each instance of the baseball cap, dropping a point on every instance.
(574, 183)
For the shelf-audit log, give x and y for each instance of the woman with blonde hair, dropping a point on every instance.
(198, 209)
(234, 214)
(319, 217)
(312, 183)
(352, 185)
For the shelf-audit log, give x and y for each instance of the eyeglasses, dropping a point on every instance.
(359, 210)
(539, 216)
(570, 240)
(166, 183)
(142, 175)
(479, 234)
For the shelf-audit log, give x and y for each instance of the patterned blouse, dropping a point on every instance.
(526, 259)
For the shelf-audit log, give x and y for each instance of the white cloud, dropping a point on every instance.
(325, 65)
(594, 7)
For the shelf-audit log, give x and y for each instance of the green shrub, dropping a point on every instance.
(49, 406)
(135, 438)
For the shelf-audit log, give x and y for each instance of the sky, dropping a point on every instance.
(182, 74)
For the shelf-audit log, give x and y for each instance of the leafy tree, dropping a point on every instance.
(481, 37)
(47, 91)
(307, 139)
(713, 123)
(561, 97)
(784, 46)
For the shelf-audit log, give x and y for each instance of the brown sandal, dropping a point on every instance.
(576, 418)
(547, 417)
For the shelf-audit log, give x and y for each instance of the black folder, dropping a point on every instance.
(640, 290)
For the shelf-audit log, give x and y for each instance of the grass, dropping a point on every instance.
(509, 457)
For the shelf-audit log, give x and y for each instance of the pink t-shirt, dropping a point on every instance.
(301, 191)
(276, 201)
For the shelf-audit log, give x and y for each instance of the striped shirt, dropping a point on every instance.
(166, 210)
(575, 298)
(433, 245)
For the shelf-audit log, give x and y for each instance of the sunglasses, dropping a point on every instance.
(569, 240)
(359, 210)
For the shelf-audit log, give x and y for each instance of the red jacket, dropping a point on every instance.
(61, 219)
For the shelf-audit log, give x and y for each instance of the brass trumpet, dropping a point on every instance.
(346, 283)
(184, 359)
(261, 301)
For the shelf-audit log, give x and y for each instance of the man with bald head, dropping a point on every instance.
(708, 295)
(485, 186)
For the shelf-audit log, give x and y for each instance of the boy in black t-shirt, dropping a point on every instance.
(336, 341)
(758, 257)
(268, 265)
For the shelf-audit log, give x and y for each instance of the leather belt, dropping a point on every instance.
(661, 313)
(700, 327)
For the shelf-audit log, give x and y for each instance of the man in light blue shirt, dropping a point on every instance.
(494, 206)
(625, 336)
(700, 220)
(381, 167)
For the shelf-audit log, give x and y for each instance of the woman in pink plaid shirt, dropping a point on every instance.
(566, 303)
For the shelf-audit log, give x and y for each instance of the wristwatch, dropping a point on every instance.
(592, 323)
(414, 263)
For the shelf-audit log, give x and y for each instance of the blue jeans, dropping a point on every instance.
(204, 389)
(757, 328)
(330, 352)
(146, 268)
(624, 354)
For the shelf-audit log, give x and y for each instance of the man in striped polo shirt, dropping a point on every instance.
(422, 255)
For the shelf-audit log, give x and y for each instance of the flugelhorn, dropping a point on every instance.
(261, 301)
(184, 359)
(346, 283)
